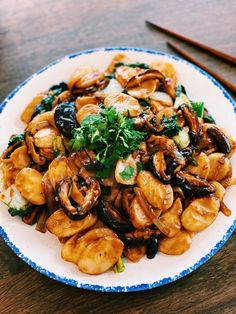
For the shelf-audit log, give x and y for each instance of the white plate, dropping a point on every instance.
(42, 251)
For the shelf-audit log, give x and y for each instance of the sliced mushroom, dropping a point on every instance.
(192, 121)
(78, 211)
(157, 164)
(86, 110)
(146, 75)
(200, 213)
(138, 237)
(37, 158)
(158, 194)
(220, 166)
(62, 226)
(126, 165)
(167, 112)
(221, 139)
(124, 103)
(152, 247)
(193, 186)
(84, 76)
(65, 118)
(143, 90)
(28, 182)
(112, 218)
(202, 168)
(49, 193)
(176, 245)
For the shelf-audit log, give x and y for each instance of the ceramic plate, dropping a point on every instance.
(42, 251)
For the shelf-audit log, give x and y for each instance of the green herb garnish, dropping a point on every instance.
(127, 173)
(21, 212)
(198, 108)
(133, 65)
(208, 118)
(16, 138)
(58, 89)
(45, 105)
(144, 103)
(180, 89)
(171, 126)
(111, 135)
(119, 266)
(141, 166)
(110, 76)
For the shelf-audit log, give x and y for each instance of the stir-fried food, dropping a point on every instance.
(118, 164)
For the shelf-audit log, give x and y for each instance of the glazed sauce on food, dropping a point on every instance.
(224, 209)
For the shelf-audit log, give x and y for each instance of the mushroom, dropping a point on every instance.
(65, 118)
(74, 210)
(158, 194)
(138, 237)
(37, 158)
(221, 139)
(157, 164)
(152, 247)
(112, 218)
(193, 186)
(146, 75)
(200, 213)
(124, 103)
(124, 73)
(49, 193)
(62, 226)
(167, 69)
(192, 121)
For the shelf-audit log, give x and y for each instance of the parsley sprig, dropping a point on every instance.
(171, 126)
(110, 134)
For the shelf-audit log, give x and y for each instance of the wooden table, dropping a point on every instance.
(32, 34)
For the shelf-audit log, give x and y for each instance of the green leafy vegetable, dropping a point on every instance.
(110, 76)
(133, 65)
(21, 212)
(58, 147)
(46, 105)
(180, 89)
(110, 134)
(58, 89)
(127, 173)
(208, 118)
(16, 138)
(193, 161)
(141, 166)
(171, 126)
(119, 266)
(144, 103)
(198, 108)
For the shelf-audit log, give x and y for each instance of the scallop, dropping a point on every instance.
(134, 254)
(125, 73)
(169, 223)
(27, 114)
(60, 169)
(200, 213)
(28, 182)
(84, 76)
(124, 103)
(167, 112)
(219, 166)
(87, 110)
(203, 166)
(100, 255)
(20, 157)
(163, 99)
(85, 100)
(62, 226)
(138, 216)
(44, 137)
(144, 90)
(124, 165)
(167, 69)
(158, 194)
(176, 245)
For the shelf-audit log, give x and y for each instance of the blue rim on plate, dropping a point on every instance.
(138, 287)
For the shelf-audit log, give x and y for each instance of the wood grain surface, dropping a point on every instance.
(34, 33)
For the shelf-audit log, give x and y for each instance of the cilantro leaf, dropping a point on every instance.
(127, 173)
(180, 89)
(171, 126)
(141, 166)
(21, 212)
(16, 138)
(110, 135)
(198, 108)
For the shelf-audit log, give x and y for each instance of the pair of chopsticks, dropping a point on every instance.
(195, 43)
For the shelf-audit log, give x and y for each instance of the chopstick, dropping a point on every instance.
(217, 76)
(198, 44)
